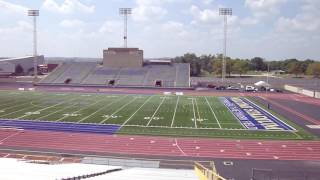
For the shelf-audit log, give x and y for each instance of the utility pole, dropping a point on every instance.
(34, 14)
(125, 12)
(225, 12)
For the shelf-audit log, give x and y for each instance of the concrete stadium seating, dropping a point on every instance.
(89, 73)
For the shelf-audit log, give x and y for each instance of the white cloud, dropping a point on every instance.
(174, 28)
(68, 6)
(262, 8)
(207, 2)
(111, 27)
(147, 10)
(12, 8)
(307, 20)
(206, 15)
(22, 26)
(72, 23)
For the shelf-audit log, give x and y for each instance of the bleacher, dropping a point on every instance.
(89, 73)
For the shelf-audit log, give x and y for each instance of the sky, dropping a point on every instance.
(272, 29)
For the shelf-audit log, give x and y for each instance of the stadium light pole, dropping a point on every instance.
(34, 14)
(125, 12)
(225, 12)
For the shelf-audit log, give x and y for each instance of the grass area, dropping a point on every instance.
(137, 114)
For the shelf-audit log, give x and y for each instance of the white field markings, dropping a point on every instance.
(214, 114)
(194, 114)
(59, 110)
(19, 109)
(123, 124)
(46, 115)
(155, 112)
(48, 107)
(75, 112)
(175, 110)
(196, 103)
(104, 120)
(103, 107)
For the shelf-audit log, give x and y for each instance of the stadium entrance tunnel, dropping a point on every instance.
(111, 82)
(158, 83)
(67, 81)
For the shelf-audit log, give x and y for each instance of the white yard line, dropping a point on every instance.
(195, 100)
(214, 114)
(39, 118)
(155, 112)
(194, 115)
(135, 112)
(80, 110)
(103, 107)
(48, 107)
(117, 110)
(175, 110)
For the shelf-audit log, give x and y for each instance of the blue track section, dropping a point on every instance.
(60, 126)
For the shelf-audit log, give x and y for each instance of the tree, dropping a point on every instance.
(314, 69)
(258, 64)
(217, 66)
(295, 68)
(240, 67)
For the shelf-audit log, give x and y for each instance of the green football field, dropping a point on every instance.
(137, 114)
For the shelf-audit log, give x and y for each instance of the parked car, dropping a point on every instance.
(211, 86)
(232, 88)
(250, 88)
(221, 88)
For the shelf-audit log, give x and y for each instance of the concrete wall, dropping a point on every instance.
(25, 62)
(123, 58)
(305, 92)
(6, 68)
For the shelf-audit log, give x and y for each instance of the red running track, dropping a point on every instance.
(160, 146)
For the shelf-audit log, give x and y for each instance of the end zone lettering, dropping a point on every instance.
(254, 117)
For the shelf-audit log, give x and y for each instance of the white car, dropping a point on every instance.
(250, 88)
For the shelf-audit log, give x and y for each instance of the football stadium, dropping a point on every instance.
(130, 117)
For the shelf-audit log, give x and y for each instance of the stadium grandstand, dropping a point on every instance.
(121, 67)
(19, 65)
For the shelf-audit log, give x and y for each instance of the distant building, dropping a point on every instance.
(123, 58)
(20, 65)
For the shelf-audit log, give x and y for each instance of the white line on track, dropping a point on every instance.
(194, 114)
(155, 112)
(175, 110)
(136, 112)
(117, 110)
(214, 114)
(2, 140)
(103, 107)
(177, 145)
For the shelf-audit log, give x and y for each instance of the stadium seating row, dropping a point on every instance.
(89, 73)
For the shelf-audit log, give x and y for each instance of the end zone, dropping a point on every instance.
(253, 117)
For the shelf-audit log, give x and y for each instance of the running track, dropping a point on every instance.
(82, 143)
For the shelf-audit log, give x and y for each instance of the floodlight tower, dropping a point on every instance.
(225, 12)
(34, 14)
(125, 12)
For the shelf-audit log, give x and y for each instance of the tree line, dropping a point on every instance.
(205, 65)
